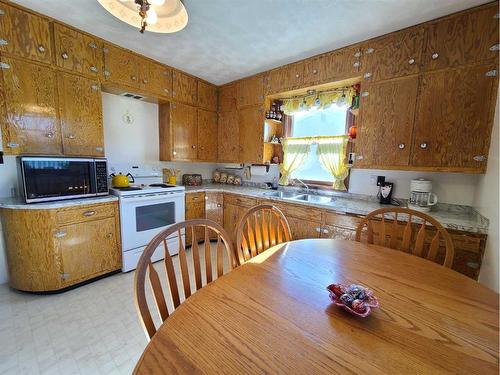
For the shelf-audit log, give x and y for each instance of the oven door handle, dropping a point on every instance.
(156, 197)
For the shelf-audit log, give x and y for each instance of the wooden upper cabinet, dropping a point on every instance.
(251, 134)
(314, 70)
(227, 98)
(31, 123)
(81, 115)
(342, 64)
(274, 80)
(454, 118)
(395, 55)
(185, 88)
(294, 76)
(76, 51)
(468, 37)
(183, 123)
(207, 96)
(229, 141)
(155, 78)
(121, 66)
(207, 135)
(250, 91)
(385, 127)
(24, 34)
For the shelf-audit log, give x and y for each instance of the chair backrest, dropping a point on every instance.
(259, 229)
(145, 266)
(411, 234)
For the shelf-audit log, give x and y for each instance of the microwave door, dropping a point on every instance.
(142, 219)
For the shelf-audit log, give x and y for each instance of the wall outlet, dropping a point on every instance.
(380, 180)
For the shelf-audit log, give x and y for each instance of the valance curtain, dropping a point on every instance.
(331, 153)
(295, 152)
(317, 101)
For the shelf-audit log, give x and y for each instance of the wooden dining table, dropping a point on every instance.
(274, 315)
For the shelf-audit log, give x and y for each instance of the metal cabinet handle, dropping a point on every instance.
(495, 47)
(357, 54)
(2, 12)
(435, 55)
(92, 45)
(3, 42)
(365, 93)
(356, 64)
(315, 71)
(359, 157)
(318, 229)
(93, 69)
(65, 55)
(423, 145)
(145, 81)
(219, 205)
(94, 87)
(60, 234)
(367, 75)
(326, 231)
(50, 135)
(71, 136)
(4, 65)
(133, 78)
(195, 198)
(401, 146)
(99, 149)
(12, 145)
(174, 153)
(479, 158)
(491, 73)
(89, 213)
(369, 50)
(41, 48)
(107, 73)
(411, 61)
(109, 235)
(297, 75)
(193, 146)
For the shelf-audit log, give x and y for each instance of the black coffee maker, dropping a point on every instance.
(385, 192)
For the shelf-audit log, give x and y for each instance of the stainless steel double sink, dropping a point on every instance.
(313, 198)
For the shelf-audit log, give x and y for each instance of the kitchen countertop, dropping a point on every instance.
(455, 217)
(18, 203)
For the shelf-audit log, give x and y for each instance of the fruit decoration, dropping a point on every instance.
(356, 299)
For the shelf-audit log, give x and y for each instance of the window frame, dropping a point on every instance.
(322, 185)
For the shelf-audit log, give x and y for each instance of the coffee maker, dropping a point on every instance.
(421, 197)
(385, 192)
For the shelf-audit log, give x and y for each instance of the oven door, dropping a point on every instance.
(144, 216)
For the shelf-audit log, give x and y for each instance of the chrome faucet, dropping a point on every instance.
(308, 189)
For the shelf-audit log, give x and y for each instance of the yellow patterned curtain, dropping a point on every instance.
(295, 152)
(332, 156)
(318, 101)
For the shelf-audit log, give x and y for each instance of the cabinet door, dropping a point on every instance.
(31, 122)
(336, 232)
(294, 76)
(465, 38)
(24, 34)
(386, 123)
(251, 134)
(155, 78)
(88, 249)
(184, 88)
(76, 51)
(392, 56)
(232, 217)
(214, 208)
(184, 133)
(314, 70)
(454, 118)
(207, 135)
(274, 81)
(227, 98)
(81, 115)
(120, 66)
(228, 134)
(207, 96)
(341, 64)
(195, 209)
(302, 229)
(250, 91)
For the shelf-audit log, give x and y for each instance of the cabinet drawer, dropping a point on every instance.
(343, 221)
(195, 197)
(240, 201)
(85, 213)
(466, 242)
(300, 212)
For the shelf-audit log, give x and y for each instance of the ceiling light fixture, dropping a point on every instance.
(158, 16)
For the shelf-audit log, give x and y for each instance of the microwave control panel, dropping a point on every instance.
(101, 174)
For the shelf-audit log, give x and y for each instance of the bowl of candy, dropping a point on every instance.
(353, 298)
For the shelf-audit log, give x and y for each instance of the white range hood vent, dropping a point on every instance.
(133, 96)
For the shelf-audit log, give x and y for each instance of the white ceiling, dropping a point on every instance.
(230, 39)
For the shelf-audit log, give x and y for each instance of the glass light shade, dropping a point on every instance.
(171, 14)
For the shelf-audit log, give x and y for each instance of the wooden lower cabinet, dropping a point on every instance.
(195, 209)
(235, 206)
(52, 249)
(214, 209)
(302, 229)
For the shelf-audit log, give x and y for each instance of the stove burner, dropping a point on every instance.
(130, 188)
(160, 185)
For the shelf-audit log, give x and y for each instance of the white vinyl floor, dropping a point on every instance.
(93, 329)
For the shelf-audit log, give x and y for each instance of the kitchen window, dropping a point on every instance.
(316, 143)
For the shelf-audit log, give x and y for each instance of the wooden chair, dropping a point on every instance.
(145, 266)
(259, 229)
(407, 236)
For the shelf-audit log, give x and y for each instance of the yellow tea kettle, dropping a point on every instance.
(121, 180)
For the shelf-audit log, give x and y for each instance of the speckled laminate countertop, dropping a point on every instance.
(20, 204)
(456, 217)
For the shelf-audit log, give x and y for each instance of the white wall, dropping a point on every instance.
(487, 203)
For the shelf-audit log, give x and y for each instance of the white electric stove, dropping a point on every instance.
(146, 209)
